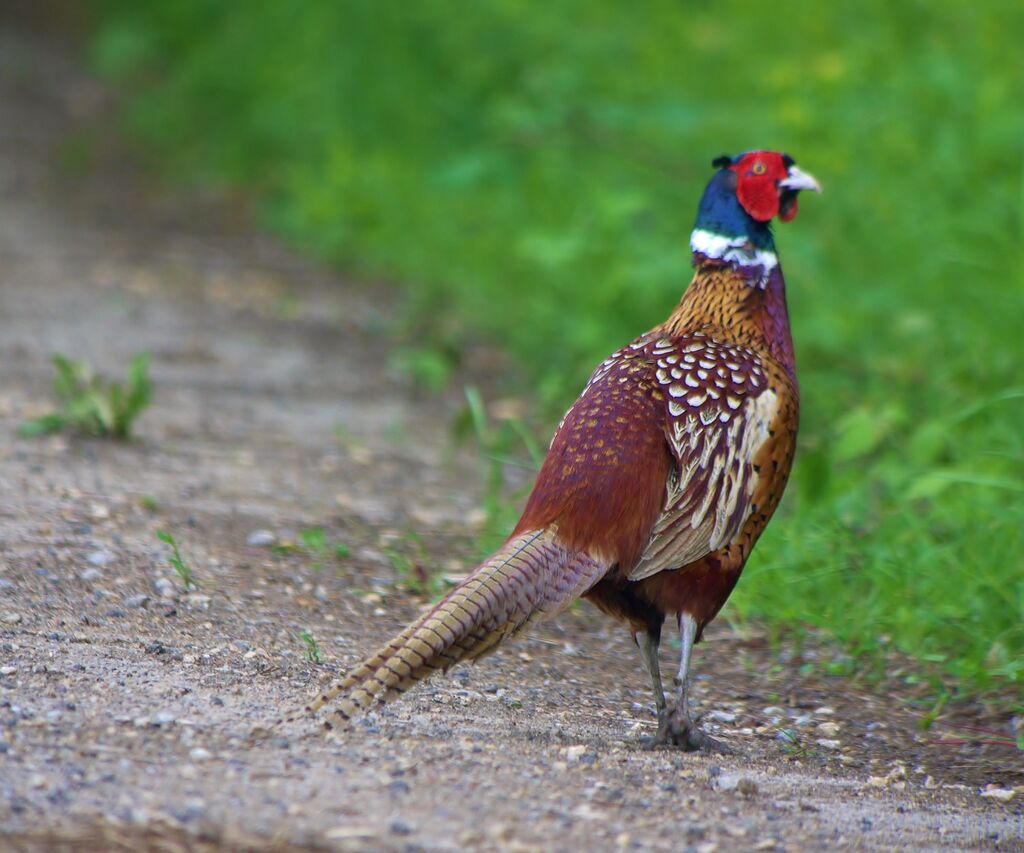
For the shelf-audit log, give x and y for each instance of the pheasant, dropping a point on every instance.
(660, 478)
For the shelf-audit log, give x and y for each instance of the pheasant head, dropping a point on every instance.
(749, 191)
(739, 282)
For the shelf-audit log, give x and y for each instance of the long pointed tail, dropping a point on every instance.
(531, 577)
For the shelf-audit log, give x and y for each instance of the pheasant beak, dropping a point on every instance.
(798, 180)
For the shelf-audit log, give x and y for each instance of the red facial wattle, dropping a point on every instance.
(788, 205)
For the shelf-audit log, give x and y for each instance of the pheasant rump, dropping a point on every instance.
(660, 478)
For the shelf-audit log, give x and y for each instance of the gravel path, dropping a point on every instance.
(133, 714)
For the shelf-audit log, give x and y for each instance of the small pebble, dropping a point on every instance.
(164, 718)
(746, 786)
(100, 558)
(98, 512)
(200, 754)
(134, 601)
(575, 753)
(261, 539)
(1003, 795)
(8, 670)
(11, 618)
(735, 782)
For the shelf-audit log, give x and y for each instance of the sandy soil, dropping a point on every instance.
(132, 712)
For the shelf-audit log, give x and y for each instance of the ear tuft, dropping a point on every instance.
(722, 162)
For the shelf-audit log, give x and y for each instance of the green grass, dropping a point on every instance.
(529, 172)
(92, 405)
(312, 651)
(181, 566)
(314, 542)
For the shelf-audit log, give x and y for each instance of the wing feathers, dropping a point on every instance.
(714, 433)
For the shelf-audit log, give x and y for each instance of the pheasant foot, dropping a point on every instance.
(677, 728)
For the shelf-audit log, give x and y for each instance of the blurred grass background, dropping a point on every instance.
(529, 174)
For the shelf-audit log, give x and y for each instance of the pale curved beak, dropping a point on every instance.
(798, 180)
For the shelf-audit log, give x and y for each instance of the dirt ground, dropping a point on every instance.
(133, 713)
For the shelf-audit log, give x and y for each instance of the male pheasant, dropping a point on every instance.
(660, 478)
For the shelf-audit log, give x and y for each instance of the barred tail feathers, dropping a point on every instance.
(532, 576)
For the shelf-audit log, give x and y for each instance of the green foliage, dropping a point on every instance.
(180, 564)
(531, 172)
(313, 653)
(92, 405)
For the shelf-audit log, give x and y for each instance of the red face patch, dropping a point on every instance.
(758, 191)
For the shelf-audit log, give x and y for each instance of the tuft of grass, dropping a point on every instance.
(410, 561)
(313, 653)
(180, 564)
(92, 405)
(314, 542)
(501, 446)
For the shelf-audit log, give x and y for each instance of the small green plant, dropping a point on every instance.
(497, 441)
(928, 719)
(314, 539)
(176, 559)
(314, 542)
(313, 653)
(413, 576)
(792, 744)
(92, 405)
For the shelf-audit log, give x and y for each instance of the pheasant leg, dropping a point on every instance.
(649, 650)
(675, 725)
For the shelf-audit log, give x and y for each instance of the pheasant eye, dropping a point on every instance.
(759, 168)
